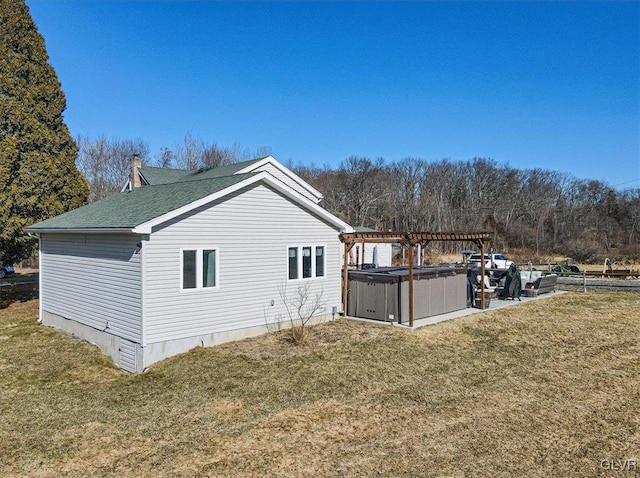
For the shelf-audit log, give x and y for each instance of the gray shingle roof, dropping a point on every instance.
(156, 176)
(129, 209)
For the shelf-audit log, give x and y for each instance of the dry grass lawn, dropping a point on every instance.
(545, 389)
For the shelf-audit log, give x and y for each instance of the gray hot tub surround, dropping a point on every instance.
(383, 293)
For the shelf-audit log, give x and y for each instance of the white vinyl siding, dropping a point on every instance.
(94, 279)
(254, 228)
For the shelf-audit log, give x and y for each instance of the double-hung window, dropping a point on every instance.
(199, 268)
(306, 262)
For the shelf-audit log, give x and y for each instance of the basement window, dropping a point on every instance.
(199, 268)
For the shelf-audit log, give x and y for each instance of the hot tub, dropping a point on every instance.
(383, 293)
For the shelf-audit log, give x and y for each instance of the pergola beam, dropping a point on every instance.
(410, 237)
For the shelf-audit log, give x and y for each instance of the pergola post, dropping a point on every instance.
(482, 271)
(345, 277)
(411, 246)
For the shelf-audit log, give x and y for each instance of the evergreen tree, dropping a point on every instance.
(38, 174)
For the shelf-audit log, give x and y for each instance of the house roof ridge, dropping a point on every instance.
(206, 168)
(194, 180)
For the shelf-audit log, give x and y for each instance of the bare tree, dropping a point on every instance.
(406, 177)
(364, 188)
(166, 158)
(194, 153)
(263, 151)
(106, 163)
(301, 307)
(188, 154)
(214, 156)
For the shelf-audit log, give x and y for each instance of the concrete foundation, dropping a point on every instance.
(125, 354)
(133, 357)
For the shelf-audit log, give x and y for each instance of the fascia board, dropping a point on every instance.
(283, 169)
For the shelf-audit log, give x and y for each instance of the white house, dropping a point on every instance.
(190, 258)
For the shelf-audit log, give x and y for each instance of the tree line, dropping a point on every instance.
(538, 210)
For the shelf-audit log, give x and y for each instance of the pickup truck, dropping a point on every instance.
(491, 261)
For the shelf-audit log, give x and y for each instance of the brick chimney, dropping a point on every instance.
(136, 163)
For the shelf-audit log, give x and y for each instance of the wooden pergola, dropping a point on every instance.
(407, 240)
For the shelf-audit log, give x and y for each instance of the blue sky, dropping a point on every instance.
(553, 85)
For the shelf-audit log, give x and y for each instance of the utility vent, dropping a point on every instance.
(127, 356)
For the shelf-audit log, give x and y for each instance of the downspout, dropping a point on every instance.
(39, 278)
(144, 240)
